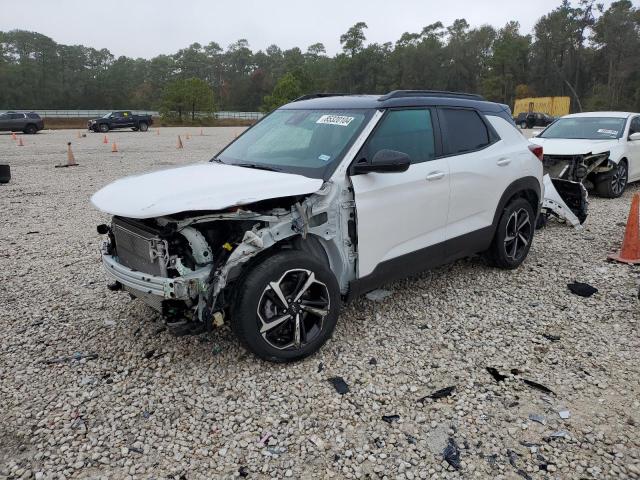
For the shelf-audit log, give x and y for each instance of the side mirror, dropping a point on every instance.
(634, 136)
(384, 161)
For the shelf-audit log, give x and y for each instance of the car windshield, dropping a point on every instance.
(306, 142)
(590, 128)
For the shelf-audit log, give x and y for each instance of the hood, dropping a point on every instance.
(567, 146)
(209, 186)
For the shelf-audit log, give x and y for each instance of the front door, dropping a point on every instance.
(405, 213)
(633, 150)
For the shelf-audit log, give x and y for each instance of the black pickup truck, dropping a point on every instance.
(120, 119)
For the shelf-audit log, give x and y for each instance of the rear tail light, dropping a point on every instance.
(536, 150)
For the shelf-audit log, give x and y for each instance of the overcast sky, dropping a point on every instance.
(146, 28)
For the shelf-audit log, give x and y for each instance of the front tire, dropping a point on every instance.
(104, 128)
(287, 307)
(514, 235)
(613, 183)
(30, 129)
(523, 125)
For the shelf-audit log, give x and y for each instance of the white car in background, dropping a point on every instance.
(599, 149)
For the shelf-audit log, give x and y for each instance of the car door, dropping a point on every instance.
(117, 120)
(481, 167)
(5, 122)
(633, 149)
(401, 217)
(17, 121)
(127, 119)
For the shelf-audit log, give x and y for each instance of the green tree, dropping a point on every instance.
(287, 89)
(187, 95)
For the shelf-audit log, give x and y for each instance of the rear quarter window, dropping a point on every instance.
(463, 131)
(34, 115)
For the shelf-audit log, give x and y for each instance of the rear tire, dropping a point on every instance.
(613, 183)
(104, 128)
(514, 235)
(143, 126)
(287, 307)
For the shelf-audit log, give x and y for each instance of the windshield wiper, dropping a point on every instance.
(258, 167)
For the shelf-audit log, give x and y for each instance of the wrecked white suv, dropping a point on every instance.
(324, 199)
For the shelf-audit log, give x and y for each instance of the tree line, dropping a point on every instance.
(579, 49)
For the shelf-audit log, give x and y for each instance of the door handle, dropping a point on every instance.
(435, 176)
(503, 161)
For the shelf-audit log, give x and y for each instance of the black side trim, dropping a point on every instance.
(444, 252)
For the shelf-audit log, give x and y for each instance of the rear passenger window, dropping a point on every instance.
(463, 131)
(406, 131)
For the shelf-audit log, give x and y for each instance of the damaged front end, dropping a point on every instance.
(186, 265)
(566, 178)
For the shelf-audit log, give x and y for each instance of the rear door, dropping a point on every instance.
(399, 214)
(481, 168)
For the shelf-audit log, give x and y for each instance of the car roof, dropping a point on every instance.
(347, 102)
(600, 114)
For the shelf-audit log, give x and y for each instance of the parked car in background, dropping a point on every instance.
(21, 122)
(120, 119)
(599, 149)
(324, 199)
(533, 119)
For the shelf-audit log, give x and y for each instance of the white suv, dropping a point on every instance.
(324, 199)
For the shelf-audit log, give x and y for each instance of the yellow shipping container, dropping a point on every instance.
(555, 106)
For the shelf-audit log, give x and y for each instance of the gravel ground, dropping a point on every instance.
(94, 387)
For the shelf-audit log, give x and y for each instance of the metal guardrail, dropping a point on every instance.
(99, 113)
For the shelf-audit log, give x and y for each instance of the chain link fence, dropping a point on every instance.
(99, 113)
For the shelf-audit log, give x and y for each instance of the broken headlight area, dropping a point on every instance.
(575, 168)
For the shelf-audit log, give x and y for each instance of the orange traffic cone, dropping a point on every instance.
(105, 139)
(71, 160)
(13, 136)
(179, 142)
(114, 148)
(630, 251)
(20, 144)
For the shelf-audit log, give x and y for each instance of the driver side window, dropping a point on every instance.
(408, 131)
(635, 125)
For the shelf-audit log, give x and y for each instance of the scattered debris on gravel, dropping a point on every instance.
(84, 397)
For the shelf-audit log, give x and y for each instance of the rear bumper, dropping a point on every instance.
(179, 288)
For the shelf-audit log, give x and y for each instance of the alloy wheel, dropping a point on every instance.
(518, 234)
(619, 179)
(291, 310)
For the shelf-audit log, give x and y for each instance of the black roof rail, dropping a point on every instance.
(309, 96)
(429, 93)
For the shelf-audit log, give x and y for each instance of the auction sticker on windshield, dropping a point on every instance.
(608, 132)
(340, 120)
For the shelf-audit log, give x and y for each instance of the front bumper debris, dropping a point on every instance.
(179, 288)
(570, 206)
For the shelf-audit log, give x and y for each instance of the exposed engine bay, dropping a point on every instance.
(182, 264)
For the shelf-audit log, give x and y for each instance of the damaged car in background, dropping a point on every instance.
(598, 151)
(324, 199)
